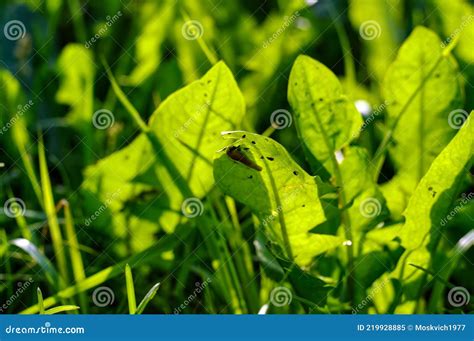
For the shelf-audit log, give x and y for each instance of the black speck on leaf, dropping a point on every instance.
(250, 176)
(243, 136)
(261, 157)
(270, 158)
(295, 172)
(303, 205)
(253, 142)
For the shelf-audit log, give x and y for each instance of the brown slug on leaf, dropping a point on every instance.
(235, 153)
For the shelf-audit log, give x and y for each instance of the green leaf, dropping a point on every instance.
(132, 302)
(44, 263)
(40, 301)
(51, 214)
(183, 132)
(422, 87)
(420, 234)
(13, 98)
(188, 124)
(325, 118)
(61, 309)
(379, 23)
(432, 200)
(147, 256)
(282, 195)
(76, 68)
(148, 43)
(457, 23)
(437, 190)
(368, 204)
(148, 297)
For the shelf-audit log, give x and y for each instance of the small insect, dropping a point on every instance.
(236, 154)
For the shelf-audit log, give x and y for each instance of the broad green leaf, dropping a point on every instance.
(76, 68)
(422, 87)
(282, 195)
(186, 126)
(437, 190)
(429, 204)
(112, 185)
(457, 22)
(311, 288)
(367, 202)
(325, 118)
(149, 41)
(379, 25)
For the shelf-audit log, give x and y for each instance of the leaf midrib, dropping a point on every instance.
(204, 125)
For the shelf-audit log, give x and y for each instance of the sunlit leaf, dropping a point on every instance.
(422, 87)
(281, 194)
(325, 117)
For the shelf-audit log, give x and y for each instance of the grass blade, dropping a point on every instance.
(74, 251)
(132, 302)
(44, 263)
(50, 211)
(147, 256)
(40, 301)
(148, 297)
(61, 309)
